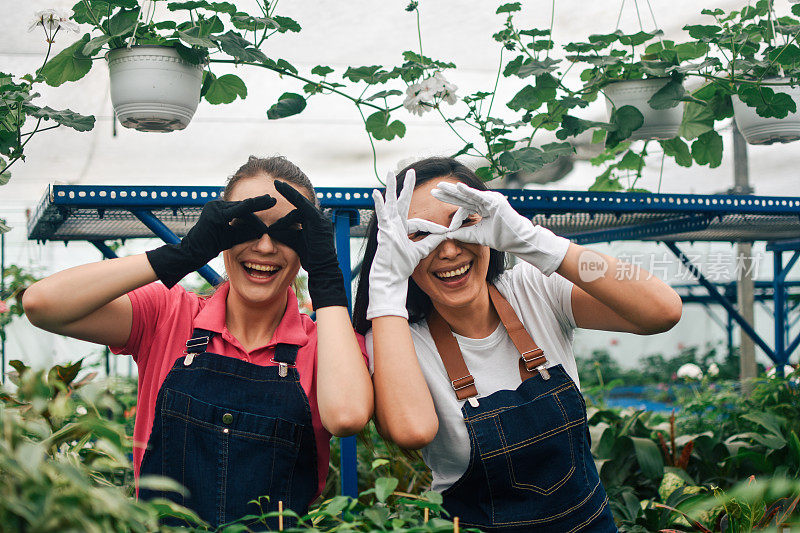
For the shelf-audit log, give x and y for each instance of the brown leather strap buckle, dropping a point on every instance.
(468, 380)
(532, 361)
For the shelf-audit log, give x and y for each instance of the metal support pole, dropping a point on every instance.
(745, 298)
(107, 252)
(780, 311)
(729, 335)
(348, 453)
(744, 252)
(166, 235)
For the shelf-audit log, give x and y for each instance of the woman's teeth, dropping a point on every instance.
(453, 273)
(260, 271)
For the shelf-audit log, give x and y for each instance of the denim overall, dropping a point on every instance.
(530, 465)
(232, 431)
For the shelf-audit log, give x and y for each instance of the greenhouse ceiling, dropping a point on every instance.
(328, 140)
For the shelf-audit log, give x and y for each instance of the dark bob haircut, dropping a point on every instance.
(418, 304)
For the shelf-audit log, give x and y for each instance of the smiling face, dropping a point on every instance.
(454, 274)
(260, 270)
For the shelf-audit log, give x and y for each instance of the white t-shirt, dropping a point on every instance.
(544, 306)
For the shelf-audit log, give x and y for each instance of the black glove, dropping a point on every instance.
(213, 233)
(314, 244)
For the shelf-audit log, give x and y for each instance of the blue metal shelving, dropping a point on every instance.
(100, 213)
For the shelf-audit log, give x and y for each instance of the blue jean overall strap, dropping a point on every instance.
(231, 432)
(530, 465)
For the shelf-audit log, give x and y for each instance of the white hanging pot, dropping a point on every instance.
(153, 88)
(761, 130)
(658, 123)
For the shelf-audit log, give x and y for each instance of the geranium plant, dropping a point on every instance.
(18, 109)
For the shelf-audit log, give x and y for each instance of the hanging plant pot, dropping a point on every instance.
(153, 88)
(768, 130)
(658, 123)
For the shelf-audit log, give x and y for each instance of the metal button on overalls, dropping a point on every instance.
(227, 419)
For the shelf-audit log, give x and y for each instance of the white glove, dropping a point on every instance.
(397, 256)
(502, 228)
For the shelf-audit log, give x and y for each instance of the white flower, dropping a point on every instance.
(416, 96)
(80, 410)
(691, 371)
(52, 20)
(713, 368)
(787, 369)
(420, 97)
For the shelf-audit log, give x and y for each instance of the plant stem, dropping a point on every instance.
(419, 32)
(453, 129)
(371, 144)
(94, 19)
(496, 81)
(284, 72)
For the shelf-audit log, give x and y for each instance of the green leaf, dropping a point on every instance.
(484, 173)
(122, 24)
(668, 96)
(379, 127)
(678, 150)
(321, 70)
(286, 24)
(624, 121)
(605, 182)
(531, 98)
(384, 486)
(509, 8)
(195, 56)
(768, 421)
(697, 120)
(530, 67)
(702, 31)
(767, 102)
(288, 104)
(66, 118)
(192, 4)
(69, 65)
(707, 149)
(285, 65)
(371, 74)
(194, 37)
(243, 21)
(95, 44)
(225, 89)
(649, 457)
(383, 94)
(233, 44)
(4, 178)
(531, 159)
(572, 126)
(378, 463)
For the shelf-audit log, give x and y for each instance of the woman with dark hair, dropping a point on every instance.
(239, 393)
(456, 369)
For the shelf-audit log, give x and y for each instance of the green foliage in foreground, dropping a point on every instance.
(725, 463)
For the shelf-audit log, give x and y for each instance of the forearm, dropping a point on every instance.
(344, 387)
(403, 404)
(632, 292)
(69, 296)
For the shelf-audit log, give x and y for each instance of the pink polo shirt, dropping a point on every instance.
(163, 320)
